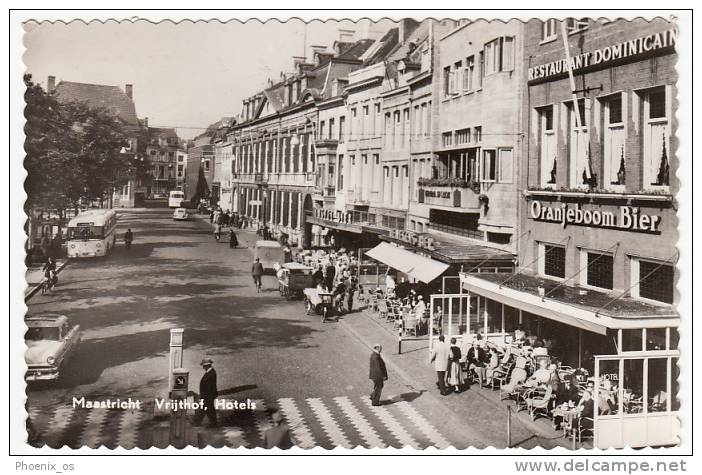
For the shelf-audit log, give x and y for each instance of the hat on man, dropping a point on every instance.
(206, 362)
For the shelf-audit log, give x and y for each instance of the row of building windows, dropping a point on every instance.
(466, 75)
(328, 129)
(651, 111)
(366, 125)
(573, 25)
(478, 164)
(462, 137)
(651, 280)
(366, 122)
(284, 154)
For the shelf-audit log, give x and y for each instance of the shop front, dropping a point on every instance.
(627, 349)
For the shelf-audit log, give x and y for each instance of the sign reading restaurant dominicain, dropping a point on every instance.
(629, 218)
(601, 57)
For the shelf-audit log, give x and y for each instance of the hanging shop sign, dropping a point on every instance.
(628, 218)
(421, 241)
(628, 50)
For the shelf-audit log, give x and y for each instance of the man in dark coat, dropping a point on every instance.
(208, 393)
(318, 276)
(329, 277)
(378, 374)
(257, 272)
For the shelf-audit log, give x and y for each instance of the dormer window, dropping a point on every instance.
(288, 94)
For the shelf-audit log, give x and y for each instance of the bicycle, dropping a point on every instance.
(48, 283)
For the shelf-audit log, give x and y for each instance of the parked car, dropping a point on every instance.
(180, 214)
(50, 340)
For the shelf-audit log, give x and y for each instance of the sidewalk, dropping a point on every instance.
(35, 275)
(479, 408)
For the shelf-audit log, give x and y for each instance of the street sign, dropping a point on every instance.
(255, 202)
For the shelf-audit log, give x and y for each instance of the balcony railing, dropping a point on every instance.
(293, 179)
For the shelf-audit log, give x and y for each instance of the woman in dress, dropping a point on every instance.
(455, 376)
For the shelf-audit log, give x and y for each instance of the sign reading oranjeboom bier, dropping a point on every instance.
(627, 50)
(629, 218)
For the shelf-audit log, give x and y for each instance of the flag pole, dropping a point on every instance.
(576, 106)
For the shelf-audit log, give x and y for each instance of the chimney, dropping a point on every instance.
(51, 84)
(406, 27)
(317, 51)
(297, 61)
(146, 121)
(346, 36)
(128, 91)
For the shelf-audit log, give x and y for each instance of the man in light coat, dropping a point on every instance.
(440, 358)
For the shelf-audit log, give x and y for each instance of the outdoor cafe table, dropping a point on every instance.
(569, 415)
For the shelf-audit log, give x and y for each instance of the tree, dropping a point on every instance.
(73, 151)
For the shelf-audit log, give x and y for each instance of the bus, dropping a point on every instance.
(92, 233)
(175, 199)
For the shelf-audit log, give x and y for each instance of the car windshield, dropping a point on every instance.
(42, 333)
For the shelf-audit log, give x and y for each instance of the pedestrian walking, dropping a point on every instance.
(233, 241)
(329, 276)
(350, 291)
(440, 358)
(218, 231)
(318, 276)
(257, 272)
(128, 238)
(208, 393)
(455, 376)
(378, 374)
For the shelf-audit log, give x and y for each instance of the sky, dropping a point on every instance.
(185, 75)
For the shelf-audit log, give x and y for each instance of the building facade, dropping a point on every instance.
(200, 155)
(598, 260)
(181, 167)
(161, 150)
(278, 168)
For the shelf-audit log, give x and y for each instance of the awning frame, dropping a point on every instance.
(418, 267)
(559, 311)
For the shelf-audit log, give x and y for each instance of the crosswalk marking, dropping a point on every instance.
(297, 424)
(261, 418)
(423, 424)
(128, 432)
(90, 436)
(336, 422)
(392, 424)
(329, 425)
(57, 425)
(369, 435)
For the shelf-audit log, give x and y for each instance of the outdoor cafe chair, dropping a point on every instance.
(581, 431)
(538, 400)
(511, 381)
(410, 325)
